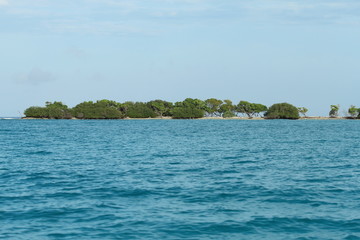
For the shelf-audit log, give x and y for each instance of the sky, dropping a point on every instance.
(303, 52)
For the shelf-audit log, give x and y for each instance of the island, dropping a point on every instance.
(190, 108)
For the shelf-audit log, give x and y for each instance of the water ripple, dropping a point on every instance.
(179, 179)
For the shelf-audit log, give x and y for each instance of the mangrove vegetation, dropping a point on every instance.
(190, 108)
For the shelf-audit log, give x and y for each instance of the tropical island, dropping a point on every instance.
(188, 109)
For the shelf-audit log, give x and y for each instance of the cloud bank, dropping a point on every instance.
(99, 17)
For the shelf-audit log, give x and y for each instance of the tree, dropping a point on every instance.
(108, 103)
(103, 109)
(213, 106)
(140, 110)
(187, 113)
(353, 111)
(334, 111)
(189, 108)
(192, 103)
(227, 107)
(245, 107)
(250, 109)
(58, 110)
(36, 112)
(228, 114)
(260, 108)
(282, 111)
(52, 110)
(160, 107)
(303, 110)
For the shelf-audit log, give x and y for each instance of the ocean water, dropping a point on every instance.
(179, 179)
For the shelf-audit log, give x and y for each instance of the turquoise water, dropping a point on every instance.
(179, 179)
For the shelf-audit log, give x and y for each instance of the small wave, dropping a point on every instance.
(314, 203)
(39, 176)
(43, 214)
(232, 157)
(6, 130)
(302, 225)
(229, 227)
(352, 237)
(168, 155)
(40, 153)
(104, 217)
(68, 195)
(115, 192)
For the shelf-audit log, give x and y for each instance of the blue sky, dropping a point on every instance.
(267, 51)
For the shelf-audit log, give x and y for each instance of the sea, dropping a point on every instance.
(180, 179)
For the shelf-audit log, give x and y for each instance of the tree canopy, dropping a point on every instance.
(161, 107)
(103, 109)
(52, 110)
(213, 106)
(303, 110)
(140, 110)
(282, 111)
(250, 109)
(189, 108)
(353, 111)
(334, 111)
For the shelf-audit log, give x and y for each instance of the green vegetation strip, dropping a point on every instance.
(188, 109)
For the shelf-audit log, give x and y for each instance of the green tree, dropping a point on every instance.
(353, 111)
(251, 109)
(187, 113)
(227, 107)
(282, 111)
(228, 114)
(102, 109)
(58, 110)
(189, 108)
(140, 110)
(36, 112)
(108, 103)
(259, 109)
(213, 106)
(192, 103)
(125, 106)
(52, 110)
(161, 107)
(334, 111)
(303, 110)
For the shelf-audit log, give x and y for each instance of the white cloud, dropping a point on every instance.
(4, 2)
(35, 77)
(295, 11)
(149, 17)
(95, 27)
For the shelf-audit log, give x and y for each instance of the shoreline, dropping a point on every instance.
(204, 118)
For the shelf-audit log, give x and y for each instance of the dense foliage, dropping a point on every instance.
(213, 106)
(139, 110)
(251, 109)
(160, 107)
(190, 108)
(103, 109)
(56, 110)
(334, 111)
(282, 111)
(187, 113)
(354, 112)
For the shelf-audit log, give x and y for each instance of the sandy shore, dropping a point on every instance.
(210, 118)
